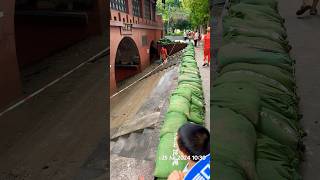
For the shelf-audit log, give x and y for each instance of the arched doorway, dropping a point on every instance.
(127, 62)
(153, 52)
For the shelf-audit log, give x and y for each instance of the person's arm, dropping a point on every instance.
(176, 175)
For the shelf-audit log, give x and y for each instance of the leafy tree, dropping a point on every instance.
(182, 24)
(198, 10)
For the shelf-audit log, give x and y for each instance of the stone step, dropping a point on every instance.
(141, 146)
(152, 145)
(146, 149)
(121, 142)
(130, 145)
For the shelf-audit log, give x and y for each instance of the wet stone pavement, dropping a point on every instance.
(303, 35)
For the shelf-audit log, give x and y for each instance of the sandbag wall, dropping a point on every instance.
(186, 104)
(256, 134)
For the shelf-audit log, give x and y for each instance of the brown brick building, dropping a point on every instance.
(134, 30)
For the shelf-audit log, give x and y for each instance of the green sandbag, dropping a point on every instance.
(189, 71)
(196, 114)
(275, 161)
(194, 69)
(193, 84)
(271, 3)
(188, 57)
(279, 170)
(268, 148)
(168, 149)
(261, 24)
(256, 42)
(227, 170)
(256, 32)
(248, 11)
(255, 79)
(189, 78)
(234, 140)
(184, 92)
(273, 95)
(273, 72)
(188, 54)
(240, 97)
(187, 64)
(281, 105)
(197, 101)
(240, 53)
(173, 121)
(278, 128)
(179, 104)
(188, 61)
(196, 91)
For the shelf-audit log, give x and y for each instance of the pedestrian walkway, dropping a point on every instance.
(205, 75)
(304, 35)
(54, 134)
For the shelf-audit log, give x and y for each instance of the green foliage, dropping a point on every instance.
(184, 14)
(182, 24)
(198, 10)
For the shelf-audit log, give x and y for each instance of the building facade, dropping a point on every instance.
(134, 30)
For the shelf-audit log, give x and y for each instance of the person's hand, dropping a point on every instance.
(176, 175)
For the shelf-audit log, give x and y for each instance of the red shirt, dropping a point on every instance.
(206, 40)
(164, 53)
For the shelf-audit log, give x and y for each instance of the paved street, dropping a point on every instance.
(304, 36)
(59, 133)
(205, 75)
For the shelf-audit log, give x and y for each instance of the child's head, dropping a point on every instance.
(193, 140)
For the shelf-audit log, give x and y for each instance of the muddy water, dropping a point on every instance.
(124, 106)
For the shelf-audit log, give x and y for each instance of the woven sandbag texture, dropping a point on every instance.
(256, 42)
(236, 53)
(273, 72)
(240, 97)
(255, 52)
(275, 160)
(248, 11)
(167, 158)
(172, 122)
(186, 103)
(240, 29)
(261, 24)
(234, 139)
(179, 104)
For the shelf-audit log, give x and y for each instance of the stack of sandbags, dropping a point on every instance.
(256, 131)
(186, 104)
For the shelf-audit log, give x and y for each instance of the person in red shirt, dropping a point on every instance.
(164, 55)
(206, 48)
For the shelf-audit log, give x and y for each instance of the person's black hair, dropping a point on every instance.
(194, 140)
